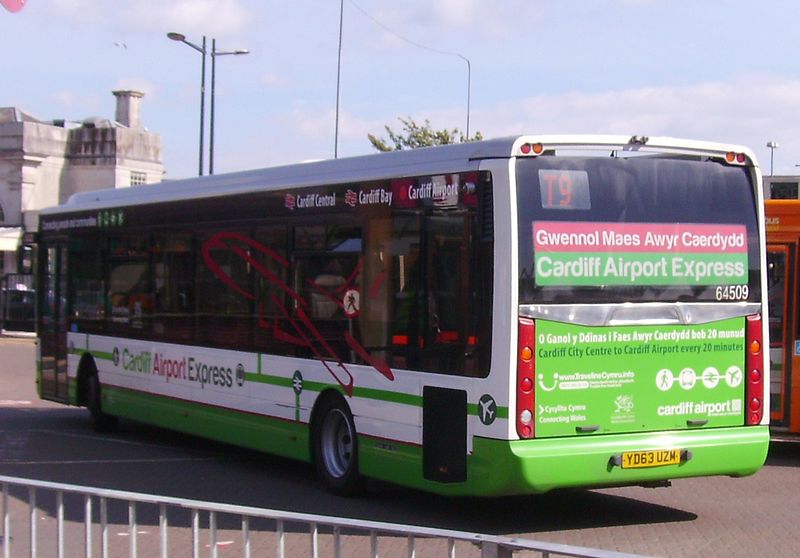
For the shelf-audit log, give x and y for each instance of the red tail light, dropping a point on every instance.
(754, 391)
(735, 158)
(526, 377)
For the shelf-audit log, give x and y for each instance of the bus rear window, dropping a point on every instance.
(642, 229)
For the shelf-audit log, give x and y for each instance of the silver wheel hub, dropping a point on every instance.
(337, 443)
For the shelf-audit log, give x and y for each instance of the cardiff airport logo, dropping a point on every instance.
(487, 411)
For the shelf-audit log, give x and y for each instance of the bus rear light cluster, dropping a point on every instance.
(531, 149)
(735, 158)
(526, 381)
(754, 390)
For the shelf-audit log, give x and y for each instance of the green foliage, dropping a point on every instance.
(419, 136)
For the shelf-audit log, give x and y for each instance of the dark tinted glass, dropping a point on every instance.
(638, 190)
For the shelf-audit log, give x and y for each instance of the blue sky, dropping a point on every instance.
(723, 70)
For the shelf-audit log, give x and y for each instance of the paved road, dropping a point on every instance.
(716, 517)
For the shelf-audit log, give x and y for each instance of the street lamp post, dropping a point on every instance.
(469, 86)
(202, 50)
(213, 53)
(338, 83)
(339, 69)
(772, 146)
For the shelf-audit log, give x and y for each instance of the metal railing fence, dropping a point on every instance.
(248, 521)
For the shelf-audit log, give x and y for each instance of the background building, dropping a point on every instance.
(42, 163)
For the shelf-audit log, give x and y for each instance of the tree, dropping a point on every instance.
(419, 136)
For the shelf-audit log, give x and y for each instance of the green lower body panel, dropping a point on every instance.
(497, 467)
(494, 467)
(72, 391)
(258, 432)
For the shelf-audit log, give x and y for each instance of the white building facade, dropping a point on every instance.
(42, 163)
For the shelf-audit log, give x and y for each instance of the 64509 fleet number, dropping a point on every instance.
(732, 292)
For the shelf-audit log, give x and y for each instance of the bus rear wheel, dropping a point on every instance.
(336, 447)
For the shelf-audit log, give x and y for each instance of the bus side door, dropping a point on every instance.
(780, 282)
(52, 293)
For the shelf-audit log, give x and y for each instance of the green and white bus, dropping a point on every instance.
(500, 317)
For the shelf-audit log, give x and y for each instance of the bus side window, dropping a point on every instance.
(173, 277)
(88, 283)
(129, 287)
(439, 318)
(446, 316)
(225, 318)
(272, 284)
(326, 268)
(404, 250)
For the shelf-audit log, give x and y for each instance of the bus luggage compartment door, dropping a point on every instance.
(444, 434)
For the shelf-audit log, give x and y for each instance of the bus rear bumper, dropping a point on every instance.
(535, 466)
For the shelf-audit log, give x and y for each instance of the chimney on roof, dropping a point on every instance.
(128, 108)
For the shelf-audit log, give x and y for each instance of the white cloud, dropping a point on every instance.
(273, 81)
(69, 104)
(748, 110)
(218, 17)
(457, 13)
(307, 132)
(312, 122)
(441, 24)
(65, 98)
(74, 7)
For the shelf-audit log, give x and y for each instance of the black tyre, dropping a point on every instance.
(101, 421)
(336, 447)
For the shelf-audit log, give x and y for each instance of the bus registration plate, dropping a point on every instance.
(650, 458)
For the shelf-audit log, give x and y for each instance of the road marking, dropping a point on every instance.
(95, 438)
(14, 402)
(107, 461)
(126, 534)
(222, 543)
(9, 460)
(104, 439)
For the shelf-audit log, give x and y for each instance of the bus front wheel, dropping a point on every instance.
(336, 447)
(101, 421)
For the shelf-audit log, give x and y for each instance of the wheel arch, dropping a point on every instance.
(86, 368)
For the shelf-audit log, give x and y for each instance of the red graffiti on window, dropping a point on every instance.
(301, 330)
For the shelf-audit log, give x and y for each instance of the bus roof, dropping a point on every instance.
(396, 164)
